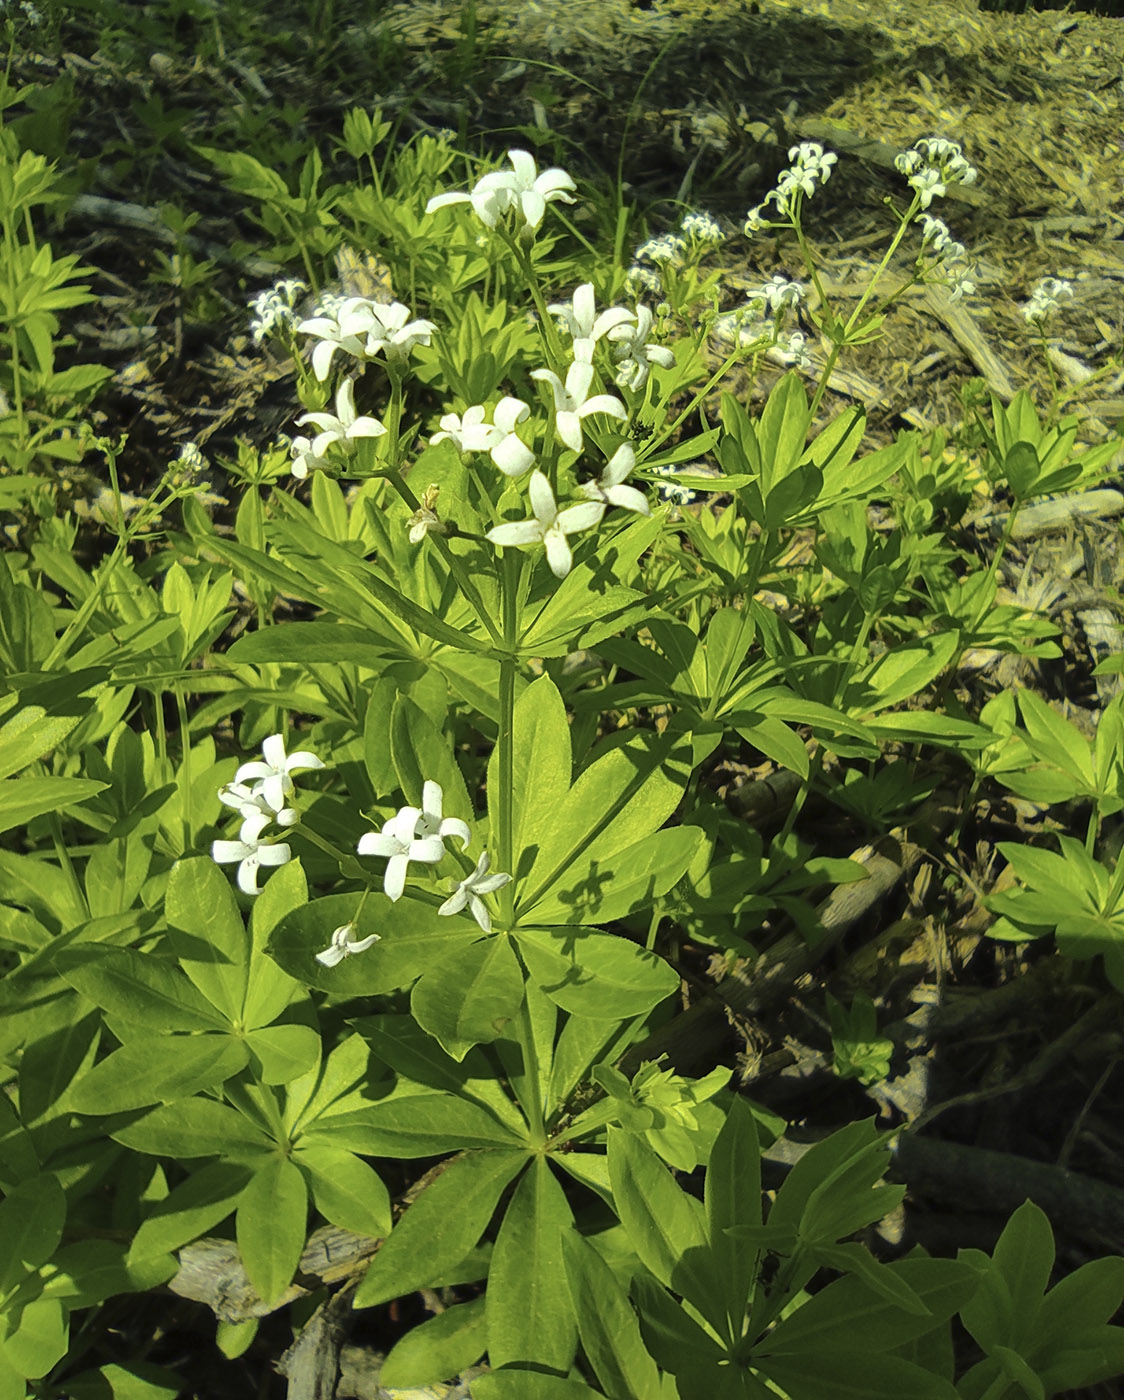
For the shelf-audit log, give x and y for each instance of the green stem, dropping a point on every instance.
(455, 566)
(504, 799)
(185, 762)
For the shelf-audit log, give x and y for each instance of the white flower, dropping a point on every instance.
(520, 188)
(399, 843)
(348, 324)
(580, 318)
(666, 248)
(550, 525)
(797, 348)
(777, 294)
(609, 486)
(469, 890)
(394, 333)
(305, 457)
(425, 518)
(343, 945)
(1045, 298)
(571, 404)
(928, 185)
(273, 779)
(274, 307)
(246, 800)
(703, 228)
(432, 823)
(643, 279)
(473, 433)
(413, 833)
(632, 353)
(343, 428)
(250, 852)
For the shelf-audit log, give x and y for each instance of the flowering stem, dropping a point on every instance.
(546, 321)
(509, 581)
(454, 565)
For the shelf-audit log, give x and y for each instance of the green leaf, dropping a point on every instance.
(609, 1331)
(270, 1226)
(208, 934)
(346, 1191)
(612, 887)
(139, 988)
(413, 939)
(23, 799)
(413, 1124)
(1052, 739)
(732, 1198)
(39, 1339)
(190, 1209)
(679, 1344)
(193, 1128)
(31, 1220)
(664, 1224)
(156, 1069)
(594, 974)
(529, 1314)
(625, 794)
(283, 1053)
(541, 763)
(1024, 1255)
(309, 644)
(470, 996)
(530, 1385)
(421, 752)
(442, 1347)
(849, 1315)
(903, 672)
(440, 1227)
(853, 1375)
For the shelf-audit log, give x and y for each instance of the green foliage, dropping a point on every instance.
(439, 917)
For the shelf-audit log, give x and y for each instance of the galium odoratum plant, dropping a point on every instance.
(436, 926)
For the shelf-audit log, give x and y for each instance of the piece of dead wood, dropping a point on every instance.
(211, 1271)
(1078, 1205)
(312, 1363)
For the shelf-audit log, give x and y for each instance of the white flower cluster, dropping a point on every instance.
(260, 793)
(811, 166)
(1045, 298)
(273, 308)
(521, 189)
(344, 428)
(932, 165)
(481, 428)
(702, 228)
(419, 834)
(364, 329)
(190, 460)
(936, 240)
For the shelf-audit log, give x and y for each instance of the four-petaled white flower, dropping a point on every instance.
(249, 850)
(473, 433)
(348, 325)
(399, 843)
(469, 890)
(580, 318)
(550, 525)
(343, 944)
(432, 823)
(344, 427)
(395, 334)
(413, 833)
(246, 800)
(609, 486)
(520, 188)
(571, 404)
(633, 356)
(273, 778)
